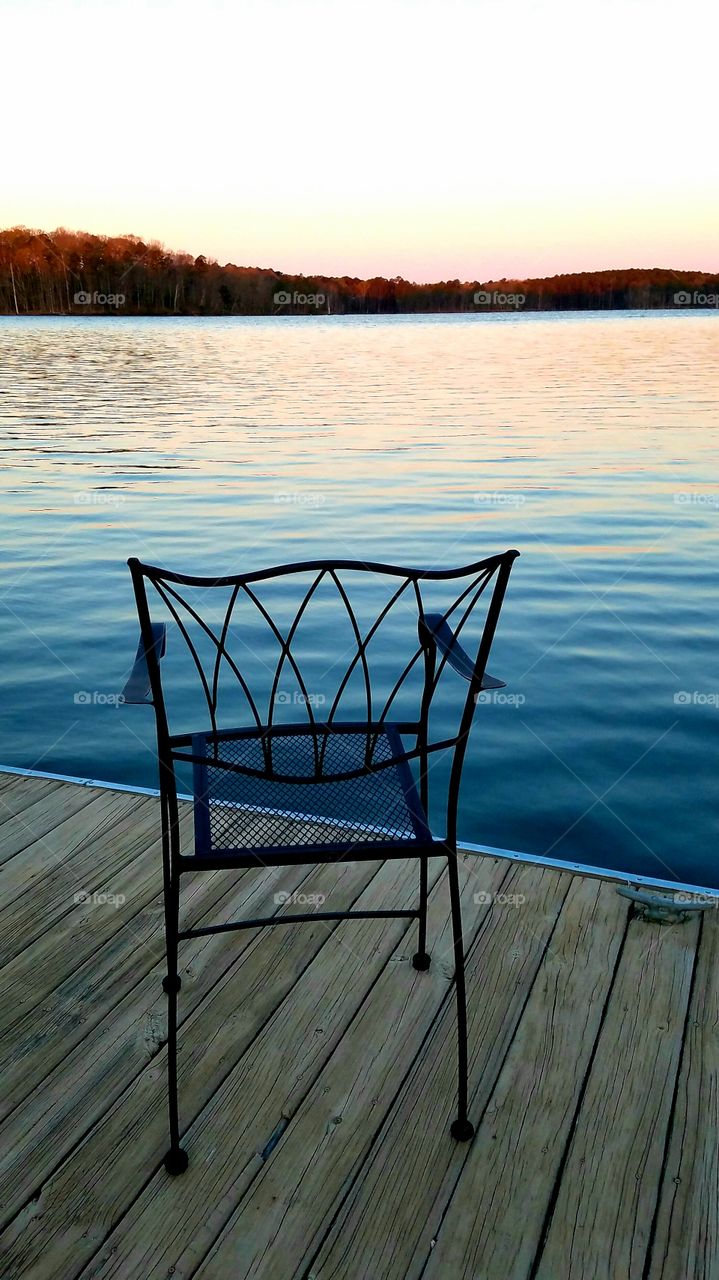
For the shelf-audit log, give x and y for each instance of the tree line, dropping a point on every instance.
(74, 273)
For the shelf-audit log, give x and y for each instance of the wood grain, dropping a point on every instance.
(42, 884)
(602, 1218)
(93, 1071)
(686, 1244)
(76, 939)
(270, 1081)
(594, 1071)
(31, 823)
(17, 793)
(99, 1180)
(395, 1207)
(494, 1222)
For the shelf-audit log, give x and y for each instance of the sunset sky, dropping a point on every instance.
(432, 139)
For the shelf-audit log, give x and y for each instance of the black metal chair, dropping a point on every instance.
(331, 787)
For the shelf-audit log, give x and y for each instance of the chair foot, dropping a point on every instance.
(171, 984)
(176, 1161)
(421, 961)
(462, 1130)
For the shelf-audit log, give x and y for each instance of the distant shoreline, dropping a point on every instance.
(68, 273)
(103, 313)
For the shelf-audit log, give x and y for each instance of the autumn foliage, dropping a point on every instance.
(47, 272)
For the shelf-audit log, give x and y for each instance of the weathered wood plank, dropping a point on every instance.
(98, 1181)
(62, 949)
(603, 1214)
(686, 1243)
(289, 1025)
(396, 1204)
(120, 1044)
(267, 1084)
(13, 779)
(40, 884)
(45, 1036)
(286, 1211)
(112, 811)
(17, 794)
(494, 1221)
(35, 821)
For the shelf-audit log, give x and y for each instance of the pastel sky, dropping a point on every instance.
(432, 139)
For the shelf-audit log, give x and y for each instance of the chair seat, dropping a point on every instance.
(242, 814)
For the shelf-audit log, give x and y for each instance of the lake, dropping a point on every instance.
(588, 441)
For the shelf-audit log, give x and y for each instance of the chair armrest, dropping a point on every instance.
(457, 657)
(137, 687)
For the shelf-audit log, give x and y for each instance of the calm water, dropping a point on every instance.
(589, 442)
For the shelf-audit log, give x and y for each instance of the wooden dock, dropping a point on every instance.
(317, 1071)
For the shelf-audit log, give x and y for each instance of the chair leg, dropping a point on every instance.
(462, 1129)
(420, 959)
(176, 1160)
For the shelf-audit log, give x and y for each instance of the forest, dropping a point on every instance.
(75, 273)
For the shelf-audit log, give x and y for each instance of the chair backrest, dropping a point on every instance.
(328, 644)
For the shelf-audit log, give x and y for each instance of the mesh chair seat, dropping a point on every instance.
(238, 813)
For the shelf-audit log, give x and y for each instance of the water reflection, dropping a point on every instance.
(586, 441)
